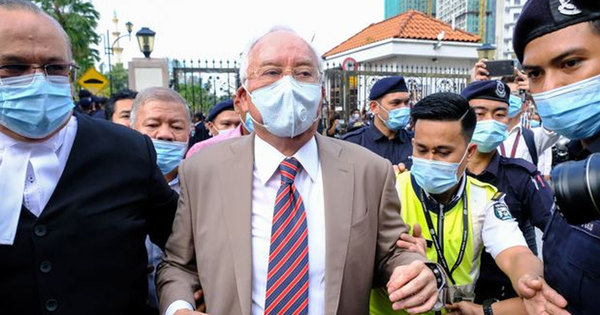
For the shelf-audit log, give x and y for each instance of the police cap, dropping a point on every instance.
(540, 17)
(215, 111)
(489, 90)
(387, 85)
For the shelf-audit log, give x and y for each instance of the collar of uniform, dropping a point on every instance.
(267, 159)
(432, 204)
(515, 129)
(578, 152)
(491, 170)
(376, 135)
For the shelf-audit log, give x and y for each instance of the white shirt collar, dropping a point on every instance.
(267, 159)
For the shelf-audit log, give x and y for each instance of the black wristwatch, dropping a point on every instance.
(487, 306)
(440, 276)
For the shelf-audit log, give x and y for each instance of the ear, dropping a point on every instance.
(374, 108)
(471, 149)
(241, 100)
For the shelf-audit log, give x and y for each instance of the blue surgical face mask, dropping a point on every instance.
(573, 110)
(288, 107)
(248, 123)
(514, 105)
(489, 134)
(535, 123)
(34, 107)
(168, 154)
(435, 177)
(397, 118)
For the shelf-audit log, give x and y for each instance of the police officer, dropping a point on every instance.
(459, 213)
(528, 196)
(557, 44)
(387, 135)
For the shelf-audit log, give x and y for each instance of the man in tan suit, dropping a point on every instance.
(285, 221)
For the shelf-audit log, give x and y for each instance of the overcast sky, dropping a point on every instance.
(220, 29)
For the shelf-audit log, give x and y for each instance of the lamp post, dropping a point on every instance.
(108, 50)
(145, 37)
(486, 51)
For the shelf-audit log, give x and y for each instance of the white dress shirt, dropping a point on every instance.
(42, 164)
(543, 139)
(265, 183)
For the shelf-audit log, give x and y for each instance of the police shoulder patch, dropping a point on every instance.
(501, 211)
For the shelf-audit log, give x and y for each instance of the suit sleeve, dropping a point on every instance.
(177, 276)
(390, 226)
(161, 204)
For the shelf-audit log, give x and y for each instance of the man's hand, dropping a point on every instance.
(399, 169)
(521, 80)
(479, 72)
(539, 297)
(464, 308)
(415, 243)
(413, 287)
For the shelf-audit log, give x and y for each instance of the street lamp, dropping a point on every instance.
(486, 51)
(109, 50)
(145, 38)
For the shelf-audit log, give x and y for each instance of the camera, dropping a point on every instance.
(576, 187)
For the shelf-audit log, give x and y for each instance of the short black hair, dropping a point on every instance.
(446, 107)
(125, 94)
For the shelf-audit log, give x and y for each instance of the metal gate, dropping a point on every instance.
(205, 83)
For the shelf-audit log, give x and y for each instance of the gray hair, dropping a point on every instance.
(157, 94)
(26, 5)
(244, 62)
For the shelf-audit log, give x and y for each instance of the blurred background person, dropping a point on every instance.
(118, 107)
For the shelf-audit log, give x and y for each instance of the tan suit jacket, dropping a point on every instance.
(211, 241)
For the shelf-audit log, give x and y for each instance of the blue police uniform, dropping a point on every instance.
(572, 256)
(529, 199)
(397, 150)
(571, 252)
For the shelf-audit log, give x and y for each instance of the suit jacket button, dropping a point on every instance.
(40, 230)
(45, 266)
(51, 305)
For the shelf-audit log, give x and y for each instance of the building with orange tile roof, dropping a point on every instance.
(412, 38)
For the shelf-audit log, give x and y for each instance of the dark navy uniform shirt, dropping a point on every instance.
(397, 150)
(572, 255)
(530, 201)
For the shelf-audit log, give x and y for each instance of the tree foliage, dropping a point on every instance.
(119, 77)
(79, 19)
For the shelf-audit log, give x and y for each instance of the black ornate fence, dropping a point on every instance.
(205, 82)
(349, 90)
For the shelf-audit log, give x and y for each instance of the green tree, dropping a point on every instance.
(79, 18)
(119, 77)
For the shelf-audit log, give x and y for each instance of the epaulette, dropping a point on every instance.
(521, 163)
(498, 196)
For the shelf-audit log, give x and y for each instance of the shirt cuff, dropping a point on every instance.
(177, 305)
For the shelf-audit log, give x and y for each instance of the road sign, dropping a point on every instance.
(93, 81)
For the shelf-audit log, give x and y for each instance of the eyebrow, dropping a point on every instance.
(437, 148)
(495, 109)
(20, 60)
(558, 58)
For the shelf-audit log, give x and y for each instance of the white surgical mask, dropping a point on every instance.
(288, 107)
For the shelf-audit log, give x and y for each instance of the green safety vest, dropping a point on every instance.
(479, 194)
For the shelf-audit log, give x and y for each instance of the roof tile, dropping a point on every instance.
(410, 24)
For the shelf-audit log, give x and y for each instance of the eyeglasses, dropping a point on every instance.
(55, 72)
(270, 74)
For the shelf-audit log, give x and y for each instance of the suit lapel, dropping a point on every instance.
(338, 192)
(237, 179)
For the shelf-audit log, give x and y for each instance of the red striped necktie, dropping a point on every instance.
(287, 278)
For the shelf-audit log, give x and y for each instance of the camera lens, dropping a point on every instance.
(577, 189)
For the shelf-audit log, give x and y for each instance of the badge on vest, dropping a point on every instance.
(501, 212)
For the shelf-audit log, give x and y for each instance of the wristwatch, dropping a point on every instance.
(487, 306)
(440, 279)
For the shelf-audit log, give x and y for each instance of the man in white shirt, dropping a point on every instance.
(77, 195)
(308, 224)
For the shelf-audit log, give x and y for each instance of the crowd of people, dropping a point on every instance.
(132, 205)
